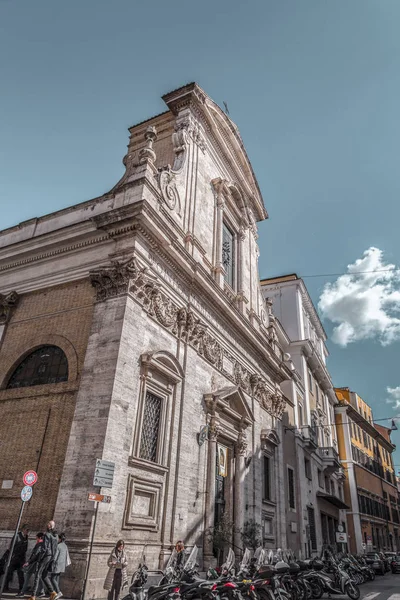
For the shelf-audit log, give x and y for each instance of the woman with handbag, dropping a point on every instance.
(117, 576)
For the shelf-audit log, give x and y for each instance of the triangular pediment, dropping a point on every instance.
(232, 402)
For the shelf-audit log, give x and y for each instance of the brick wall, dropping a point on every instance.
(35, 421)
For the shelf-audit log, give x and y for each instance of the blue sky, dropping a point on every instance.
(313, 86)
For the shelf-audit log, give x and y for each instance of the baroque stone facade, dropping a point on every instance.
(174, 362)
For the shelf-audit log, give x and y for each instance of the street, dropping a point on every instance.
(383, 588)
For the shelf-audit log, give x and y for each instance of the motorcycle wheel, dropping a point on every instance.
(308, 590)
(316, 589)
(352, 590)
(265, 594)
(301, 591)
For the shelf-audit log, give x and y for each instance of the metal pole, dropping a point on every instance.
(90, 552)
(12, 549)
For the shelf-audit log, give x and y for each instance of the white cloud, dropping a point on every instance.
(394, 396)
(364, 305)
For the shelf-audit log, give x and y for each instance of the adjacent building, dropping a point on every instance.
(315, 509)
(365, 451)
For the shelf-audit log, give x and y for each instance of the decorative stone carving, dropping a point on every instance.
(7, 303)
(213, 430)
(114, 280)
(241, 444)
(242, 377)
(147, 153)
(264, 396)
(169, 192)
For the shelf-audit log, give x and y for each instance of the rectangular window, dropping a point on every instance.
(320, 479)
(267, 527)
(301, 417)
(327, 485)
(292, 503)
(317, 393)
(150, 427)
(311, 525)
(228, 255)
(307, 468)
(310, 382)
(267, 477)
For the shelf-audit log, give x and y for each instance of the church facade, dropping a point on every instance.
(134, 330)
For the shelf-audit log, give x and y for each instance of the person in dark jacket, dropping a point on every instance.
(18, 558)
(50, 544)
(31, 566)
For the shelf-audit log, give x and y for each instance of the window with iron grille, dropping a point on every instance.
(150, 427)
(311, 525)
(292, 503)
(47, 364)
(228, 255)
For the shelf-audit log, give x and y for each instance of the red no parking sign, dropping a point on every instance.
(30, 478)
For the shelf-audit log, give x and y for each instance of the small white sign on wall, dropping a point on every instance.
(7, 484)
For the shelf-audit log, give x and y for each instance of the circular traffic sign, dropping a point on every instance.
(26, 493)
(30, 478)
(340, 528)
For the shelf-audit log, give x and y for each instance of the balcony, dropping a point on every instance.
(330, 458)
(310, 436)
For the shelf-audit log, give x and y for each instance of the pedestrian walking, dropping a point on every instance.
(117, 576)
(61, 562)
(32, 564)
(18, 558)
(50, 544)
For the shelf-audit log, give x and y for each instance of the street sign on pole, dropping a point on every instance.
(340, 528)
(99, 498)
(26, 493)
(104, 473)
(30, 478)
(341, 538)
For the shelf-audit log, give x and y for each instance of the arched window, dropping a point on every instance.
(47, 364)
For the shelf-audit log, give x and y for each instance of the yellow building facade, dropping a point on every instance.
(365, 451)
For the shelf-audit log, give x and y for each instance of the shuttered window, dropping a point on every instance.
(292, 503)
(311, 524)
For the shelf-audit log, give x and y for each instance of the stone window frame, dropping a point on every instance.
(269, 452)
(230, 211)
(137, 486)
(160, 375)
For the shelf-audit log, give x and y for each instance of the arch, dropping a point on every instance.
(34, 342)
(46, 364)
(164, 362)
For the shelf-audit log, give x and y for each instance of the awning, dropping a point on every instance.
(333, 500)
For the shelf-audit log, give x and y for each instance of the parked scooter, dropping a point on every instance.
(341, 582)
